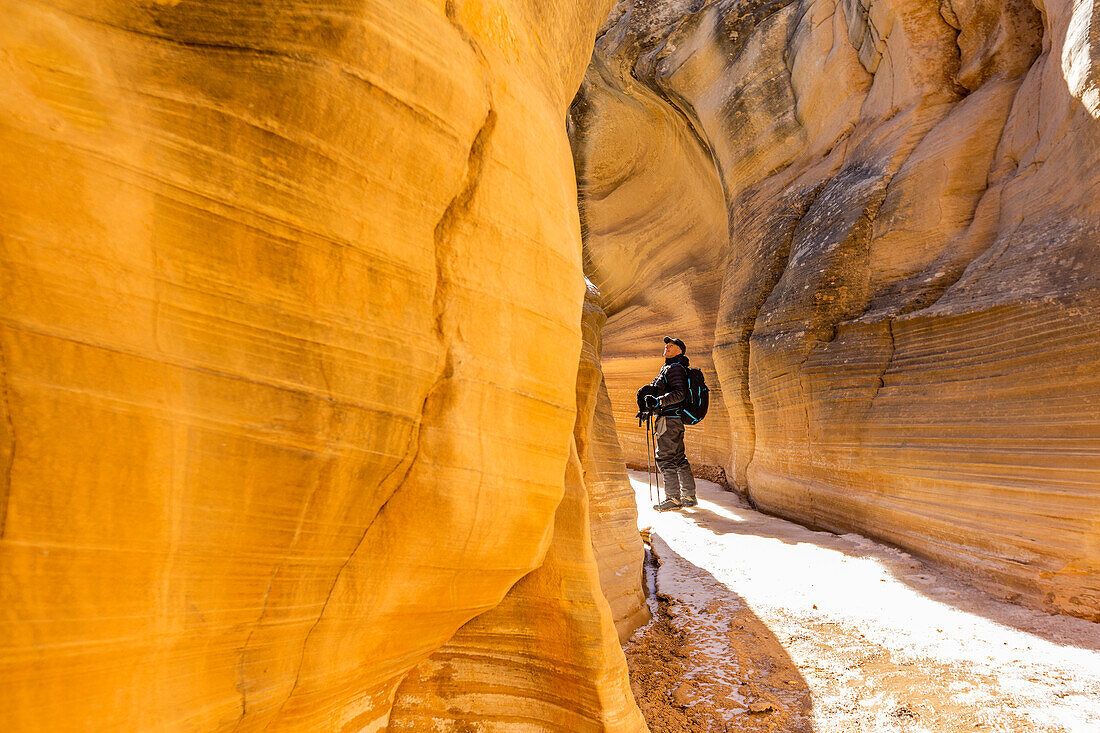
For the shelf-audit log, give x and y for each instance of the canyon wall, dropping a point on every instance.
(613, 515)
(547, 658)
(280, 282)
(875, 224)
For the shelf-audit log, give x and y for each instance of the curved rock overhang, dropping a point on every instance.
(875, 224)
(289, 352)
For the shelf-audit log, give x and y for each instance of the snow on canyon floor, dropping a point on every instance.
(764, 625)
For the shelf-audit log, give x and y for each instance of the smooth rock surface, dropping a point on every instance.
(874, 222)
(261, 454)
(548, 658)
(613, 513)
(545, 659)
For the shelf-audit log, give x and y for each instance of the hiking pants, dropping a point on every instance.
(679, 483)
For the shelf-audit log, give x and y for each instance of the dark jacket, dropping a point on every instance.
(671, 385)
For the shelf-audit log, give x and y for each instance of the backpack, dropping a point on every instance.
(694, 407)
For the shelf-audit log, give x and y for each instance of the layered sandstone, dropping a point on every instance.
(612, 512)
(261, 452)
(877, 220)
(547, 658)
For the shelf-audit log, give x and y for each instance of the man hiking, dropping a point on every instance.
(663, 396)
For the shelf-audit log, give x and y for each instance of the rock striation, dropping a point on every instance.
(613, 514)
(548, 658)
(875, 223)
(279, 285)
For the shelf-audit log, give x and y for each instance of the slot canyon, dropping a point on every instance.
(322, 322)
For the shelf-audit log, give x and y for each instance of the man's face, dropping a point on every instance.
(671, 350)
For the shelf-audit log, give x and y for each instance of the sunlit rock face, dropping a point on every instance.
(548, 658)
(280, 283)
(877, 220)
(612, 511)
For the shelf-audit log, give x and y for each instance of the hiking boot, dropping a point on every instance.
(688, 503)
(667, 505)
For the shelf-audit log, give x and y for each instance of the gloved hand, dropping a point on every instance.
(652, 402)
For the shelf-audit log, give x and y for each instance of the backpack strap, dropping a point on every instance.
(677, 409)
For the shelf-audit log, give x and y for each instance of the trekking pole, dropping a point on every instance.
(649, 465)
(656, 472)
(648, 458)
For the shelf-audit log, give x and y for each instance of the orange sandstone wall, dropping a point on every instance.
(876, 220)
(279, 283)
(612, 510)
(547, 658)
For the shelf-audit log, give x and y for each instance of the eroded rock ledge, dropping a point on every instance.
(875, 223)
(292, 301)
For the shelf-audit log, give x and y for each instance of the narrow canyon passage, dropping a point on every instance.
(309, 421)
(763, 624)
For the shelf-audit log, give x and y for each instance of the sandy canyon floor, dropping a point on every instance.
(764, 625)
